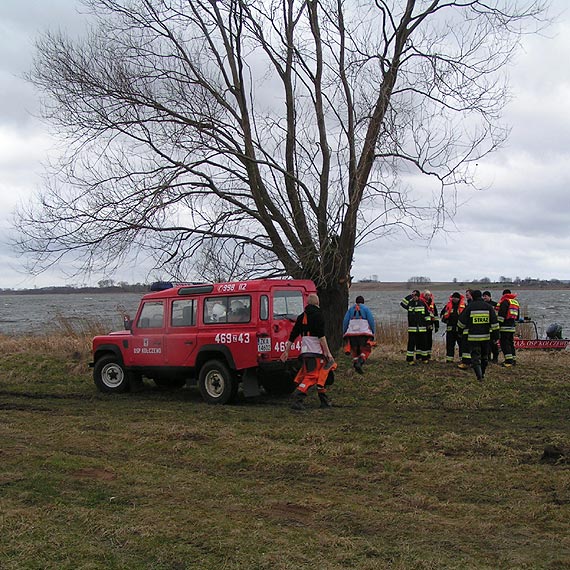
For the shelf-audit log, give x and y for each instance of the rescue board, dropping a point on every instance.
(541, 344)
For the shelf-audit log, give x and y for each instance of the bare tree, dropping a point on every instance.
(278, 134)
(420, 279)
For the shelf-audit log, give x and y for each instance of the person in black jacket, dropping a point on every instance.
(464, 347)
(508, 313)
(450, 317)
(433, 324)
(494, 346)
(418, 320)
(317, 360)
(479, 319)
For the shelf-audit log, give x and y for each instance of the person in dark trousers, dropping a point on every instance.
(480, 321)
(316, 357)
(450, 317)
(494, 346)
(418, 319)
(508, 312)
(433, 324)
(464, 350)
(358, 333)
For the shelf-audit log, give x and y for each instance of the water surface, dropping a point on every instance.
(38, 314)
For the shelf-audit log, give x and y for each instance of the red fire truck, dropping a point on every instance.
(219, 335)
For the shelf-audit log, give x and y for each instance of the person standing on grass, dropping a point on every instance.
(494, 346)
(433, 324)
(480, 322)
(418, 319)
(464, 346)
(508, 309)
(450, 317)
(317, 360)
(358, 329)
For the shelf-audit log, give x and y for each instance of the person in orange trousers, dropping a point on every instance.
(358, 333)
(316, 357)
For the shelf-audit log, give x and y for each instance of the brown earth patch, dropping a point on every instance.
(290, 512)
(94, 473)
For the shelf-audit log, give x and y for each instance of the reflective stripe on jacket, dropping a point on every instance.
(418, 314)
(479, 320)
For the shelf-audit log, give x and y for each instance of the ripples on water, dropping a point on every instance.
(38, 314)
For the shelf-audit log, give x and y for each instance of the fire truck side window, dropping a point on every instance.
(184, 313)
(227, 309)
(152, 315)
(264, 307)
(287, 304)
(239, 309)
(215, 310)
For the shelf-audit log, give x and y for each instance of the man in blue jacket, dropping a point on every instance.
(358, 333)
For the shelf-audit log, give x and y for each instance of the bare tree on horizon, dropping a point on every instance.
(266, 138)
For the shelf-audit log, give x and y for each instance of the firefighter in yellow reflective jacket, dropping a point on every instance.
(480, 321)
(494, 346)
(508, 314)
(464, 345)
(418, 320)
(433, 324)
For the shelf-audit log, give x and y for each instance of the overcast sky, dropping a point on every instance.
(519, 226)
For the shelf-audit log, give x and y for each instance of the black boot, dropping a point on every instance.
(325, 402)
(478, 372)
(297, 400)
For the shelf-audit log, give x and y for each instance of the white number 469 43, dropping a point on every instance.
(228, 338)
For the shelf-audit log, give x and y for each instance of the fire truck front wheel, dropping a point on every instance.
(217, 384)
(110, 375)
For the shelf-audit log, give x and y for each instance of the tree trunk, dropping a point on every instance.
(334, 303)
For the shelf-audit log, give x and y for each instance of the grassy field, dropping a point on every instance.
(414, 468)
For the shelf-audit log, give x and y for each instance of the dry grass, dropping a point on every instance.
(81, 328)
(57, 343)
(392, 333)
(70, 338)
(415, 468)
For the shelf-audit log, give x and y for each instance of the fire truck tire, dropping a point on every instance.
(217, 384)
(110, 375)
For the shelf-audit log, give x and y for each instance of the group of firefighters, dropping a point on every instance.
(479, 326)
(474, 322)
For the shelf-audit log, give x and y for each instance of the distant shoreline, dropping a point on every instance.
(77, 290)
(458, 286)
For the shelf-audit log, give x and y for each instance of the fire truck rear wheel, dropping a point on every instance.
(217, 384)
(110, 375)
